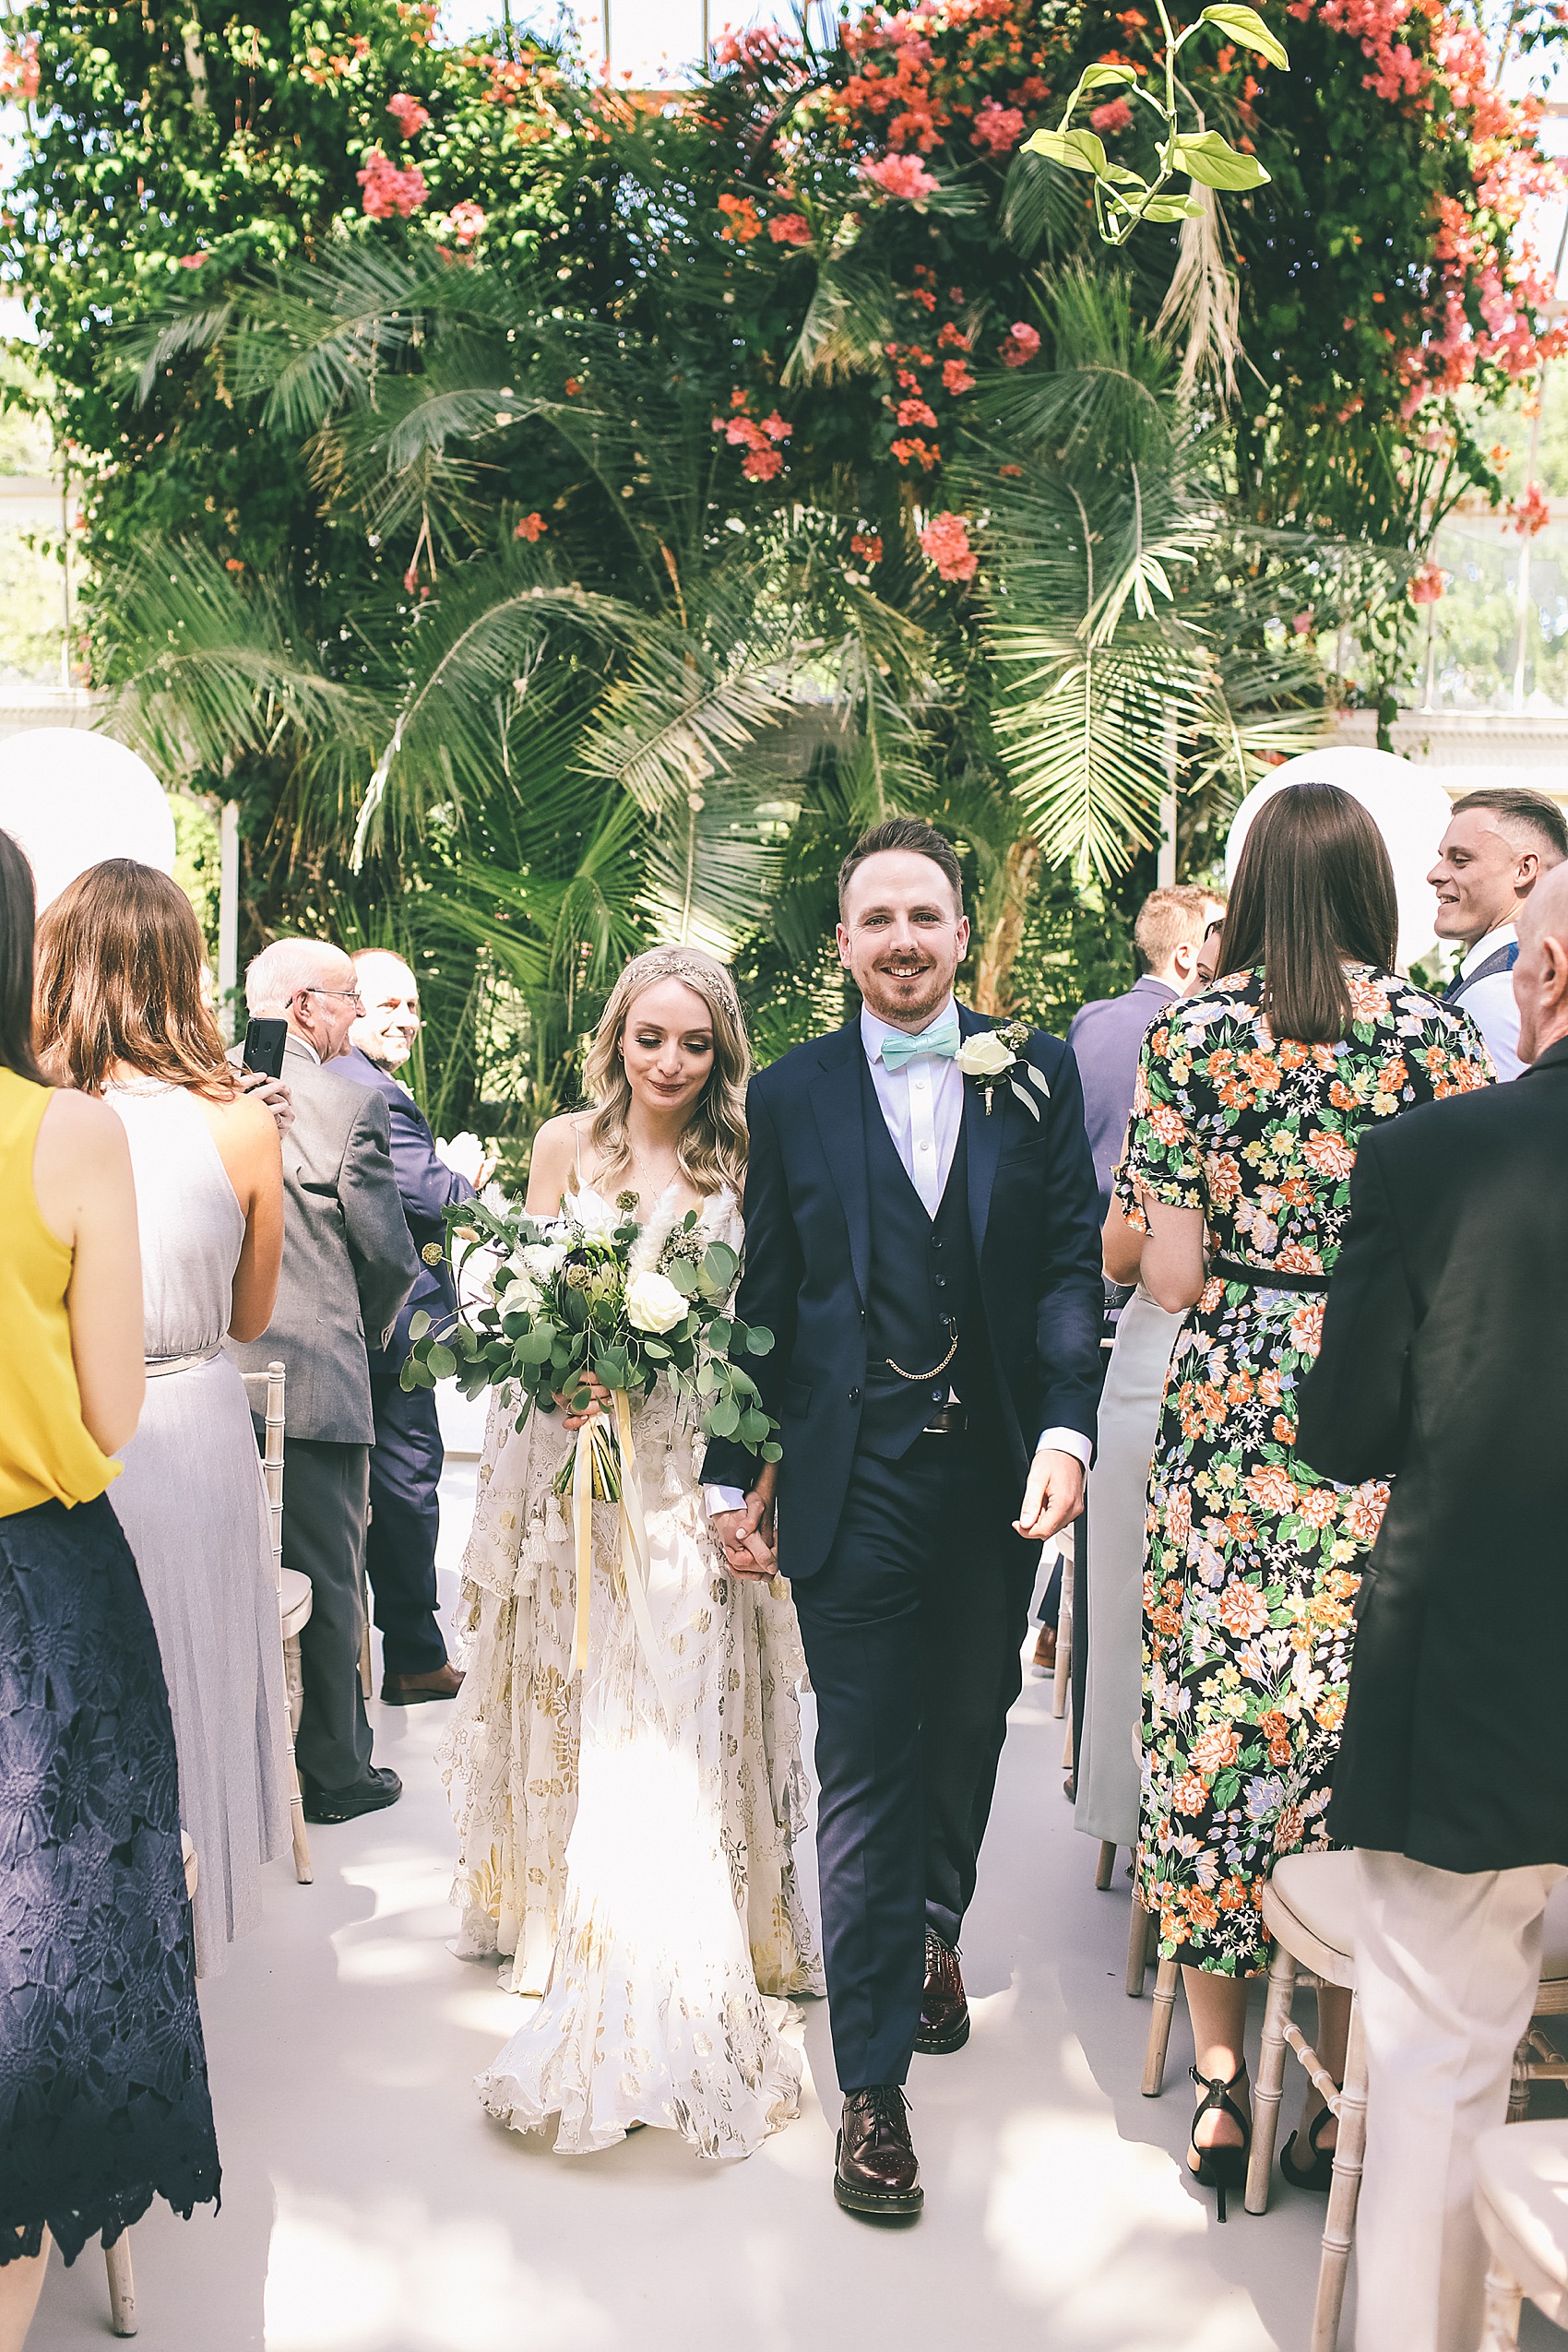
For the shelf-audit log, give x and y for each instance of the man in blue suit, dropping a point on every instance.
(921, 1239)
(406, 1461)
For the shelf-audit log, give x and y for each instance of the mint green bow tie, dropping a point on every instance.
(942, 1041)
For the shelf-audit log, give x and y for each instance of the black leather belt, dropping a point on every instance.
(948, 1420)
(1264, 1277)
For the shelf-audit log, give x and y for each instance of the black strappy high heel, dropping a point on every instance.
(1223, 2169)
(1319, 2174)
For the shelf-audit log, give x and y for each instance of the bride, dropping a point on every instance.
(642, 1874)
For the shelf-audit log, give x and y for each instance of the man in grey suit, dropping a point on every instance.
(347, 1267)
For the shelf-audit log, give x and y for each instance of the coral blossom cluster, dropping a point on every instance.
(942, 69)
(762, 440)
(945, 540)
(387, 190)
(1419, 51)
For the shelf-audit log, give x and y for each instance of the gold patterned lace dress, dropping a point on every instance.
(643, 1876)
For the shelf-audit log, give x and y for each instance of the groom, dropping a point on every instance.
(927, 1256)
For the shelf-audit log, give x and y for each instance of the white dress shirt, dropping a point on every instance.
(1491, 1004)
(922, 1105)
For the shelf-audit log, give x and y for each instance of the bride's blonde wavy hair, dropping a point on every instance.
(712, 1149)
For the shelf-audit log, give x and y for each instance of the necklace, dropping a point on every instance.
(641, 1173)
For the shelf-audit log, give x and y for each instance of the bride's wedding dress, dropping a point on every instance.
(642, 1874)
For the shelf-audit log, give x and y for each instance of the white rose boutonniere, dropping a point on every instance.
(991, 1055)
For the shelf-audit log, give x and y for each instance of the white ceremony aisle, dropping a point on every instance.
(370, 2206)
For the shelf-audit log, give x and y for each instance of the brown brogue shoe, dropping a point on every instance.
(417, 1689)
(945, 2005)
(877, 2173)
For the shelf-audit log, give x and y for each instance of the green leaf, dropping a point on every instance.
(443, 1363)
(1170, 207)
(656, 1350)
(419, 1325)
(534, 1346)
(1205, 156)
(771, 1451)
(719, 1334)
(759, 1340)
(724, 1420)
(1072, 150)
(1247, 26)
(753, 1427)
(719, 1264)
(1098, 76)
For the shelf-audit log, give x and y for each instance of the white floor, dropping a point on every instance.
(370, 2206)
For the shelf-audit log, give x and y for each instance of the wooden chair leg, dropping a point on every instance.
(1137, 1950)
(121, 2286)
(1343, 2197)
(1105, 1865)
(1499, 2326)
(1519, 2083)
(1271, 2078)
(1159, 2028)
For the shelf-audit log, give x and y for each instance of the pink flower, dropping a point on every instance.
(790, 228)
(915, 411)
(997, 129)
(902, 175)
(1021, 344)
(775, 427)
(1531, 513)
(388, 190)
(532, 526)
(407, 114)
(468, 224)
(945, 540)
(762, 465)
(955, 377)
(18, 70)
(1114, 116)
(192, 260)
(1428, 584)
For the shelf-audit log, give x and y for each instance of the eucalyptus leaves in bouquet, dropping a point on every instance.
(567, 1299)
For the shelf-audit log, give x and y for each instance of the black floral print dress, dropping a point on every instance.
(1252, 1561)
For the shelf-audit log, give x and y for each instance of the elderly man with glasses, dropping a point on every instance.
(347, 1267)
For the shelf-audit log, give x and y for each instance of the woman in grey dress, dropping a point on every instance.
(121, 1014)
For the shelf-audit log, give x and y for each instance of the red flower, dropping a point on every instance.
(532, 526)
(388, 190)
(955, 377)
(867, 545)
(901, 175)
(1114, 116)
(915, 411)
(1022, 343)
(407, 114)
(997, 129)
(945, 540)
(790, 228)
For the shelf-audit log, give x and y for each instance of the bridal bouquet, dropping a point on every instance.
(564, 1302)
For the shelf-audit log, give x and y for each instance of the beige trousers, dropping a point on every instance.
(1446, 1968)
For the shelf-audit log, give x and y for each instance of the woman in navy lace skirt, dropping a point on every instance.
(103, 2100)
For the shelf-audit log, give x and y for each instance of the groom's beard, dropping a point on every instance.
(911, 1000)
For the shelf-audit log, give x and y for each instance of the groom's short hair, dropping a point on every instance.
(909, 833)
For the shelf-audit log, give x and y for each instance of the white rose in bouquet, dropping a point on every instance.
(984, 1055)
(653, 1303)
(595, 1218)
(522, 1291)
(541, 1261)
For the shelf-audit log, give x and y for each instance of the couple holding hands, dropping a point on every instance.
(921, 1229)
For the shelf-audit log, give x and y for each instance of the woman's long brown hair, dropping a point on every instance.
(120, 980)
(1313, 890)
(18, 899)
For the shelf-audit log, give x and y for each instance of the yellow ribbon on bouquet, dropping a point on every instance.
(634, 1548)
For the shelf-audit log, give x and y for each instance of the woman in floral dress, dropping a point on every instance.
(1250, 1100)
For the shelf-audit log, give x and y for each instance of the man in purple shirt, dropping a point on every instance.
(1105, 1039)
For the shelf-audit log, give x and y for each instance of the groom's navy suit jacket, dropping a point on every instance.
(1033, 1220)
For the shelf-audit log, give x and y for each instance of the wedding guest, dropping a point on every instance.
(347, 1267)
(1498, 843)
(1252, 1100)
(103, 2099)
(121, 1014)
(1442, 1369)
(1109, 1584)
(1107, 1034)
(1105, 1037)
(407, 1457)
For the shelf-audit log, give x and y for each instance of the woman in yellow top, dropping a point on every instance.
(103, 2099)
